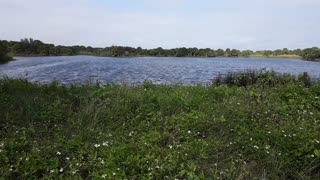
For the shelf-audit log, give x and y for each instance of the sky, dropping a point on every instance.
(240, 24)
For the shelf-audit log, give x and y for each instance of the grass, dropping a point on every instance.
(243, 126)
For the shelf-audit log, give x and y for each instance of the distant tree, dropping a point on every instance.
(3, 52)
(220, 52)
(277, 52)
(267, 53)
(311, 53)
(246, 53)
(285, 51)
(181, 52)
(234, 53)
(228, 52)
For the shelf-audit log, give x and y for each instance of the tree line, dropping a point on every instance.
(31, 47)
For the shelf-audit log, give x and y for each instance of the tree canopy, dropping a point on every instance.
(31, 47)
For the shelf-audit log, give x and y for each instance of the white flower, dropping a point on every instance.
(255, 146)
(317, 141)
(1, 144)
(114, 174)
(102, 162)
(58, 153)
(52, 171)
(267, 152)
(0, 150)
(74, 172)
(61, 170)
(67, 158)
(105, 143)
(312, 155)
(251, 139)
(104, 176)
(97, 145)
(189, 132)
(170, 146)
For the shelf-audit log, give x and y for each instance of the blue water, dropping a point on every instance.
(83, 69)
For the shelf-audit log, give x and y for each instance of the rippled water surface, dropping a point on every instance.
(81, 69)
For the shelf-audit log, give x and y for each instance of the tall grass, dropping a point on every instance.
(243, 126)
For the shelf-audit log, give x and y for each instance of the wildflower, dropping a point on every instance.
(0, 150)
(105, 143)
(27, 158)
(1, 144)
(51, 171)
(170, 146)
(61, 170)
(312, 155)
(97, 145)
(58, 153)
(67, 158)
(269, 132)
(267, 147)
(189, 132)
(102, 162)
(317, 141)
(293, 135)
(267, 152)
(251, 139)
(255, 146)
(104, 176)
(74, 172)
(114, 174)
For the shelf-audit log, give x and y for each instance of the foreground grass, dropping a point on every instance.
(249, 127)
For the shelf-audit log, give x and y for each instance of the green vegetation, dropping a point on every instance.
(30, 47)
(245, 126)
(4, 54)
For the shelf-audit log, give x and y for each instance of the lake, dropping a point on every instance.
(82, 69)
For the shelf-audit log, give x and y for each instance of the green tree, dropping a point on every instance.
(220, 52)
(234, 53)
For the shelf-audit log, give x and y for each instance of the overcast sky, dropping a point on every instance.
(241, 24)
